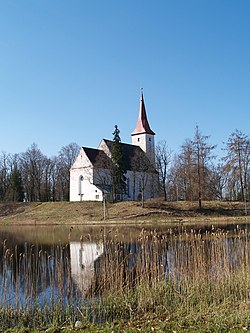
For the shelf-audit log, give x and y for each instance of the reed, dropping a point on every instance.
(184, 279)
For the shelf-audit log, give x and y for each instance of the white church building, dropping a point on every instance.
(90, 176)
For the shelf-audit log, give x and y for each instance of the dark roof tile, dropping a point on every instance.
(97, 157)
(128, 153)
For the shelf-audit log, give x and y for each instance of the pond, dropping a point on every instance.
(42, 266)
(48, 263)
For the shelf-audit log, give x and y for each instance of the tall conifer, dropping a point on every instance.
(16, 188)
(118, 171)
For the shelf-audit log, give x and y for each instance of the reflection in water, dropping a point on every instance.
(65, 272)
(33, 273)
(82, 261)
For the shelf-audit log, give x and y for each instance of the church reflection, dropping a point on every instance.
(83, 257)
(63, 271)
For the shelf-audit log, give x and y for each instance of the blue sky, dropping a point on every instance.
(72, 69)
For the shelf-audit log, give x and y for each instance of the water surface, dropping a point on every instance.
(41, 265)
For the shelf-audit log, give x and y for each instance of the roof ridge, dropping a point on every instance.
(122, 143)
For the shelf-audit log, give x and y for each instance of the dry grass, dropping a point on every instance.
(50, 213)
(190, 281)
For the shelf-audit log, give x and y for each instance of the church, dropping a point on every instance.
(90, 176)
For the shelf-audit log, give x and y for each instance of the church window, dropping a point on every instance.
(97, 196)
(81, 185)
(138, 139)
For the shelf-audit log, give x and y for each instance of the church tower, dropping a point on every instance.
(143, 136)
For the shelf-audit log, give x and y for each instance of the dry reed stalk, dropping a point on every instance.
(178, 274)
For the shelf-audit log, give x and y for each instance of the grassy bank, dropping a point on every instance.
(123, 212)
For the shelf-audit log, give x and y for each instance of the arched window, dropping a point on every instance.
(81, 186)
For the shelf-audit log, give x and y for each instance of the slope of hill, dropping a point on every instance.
(121, 212)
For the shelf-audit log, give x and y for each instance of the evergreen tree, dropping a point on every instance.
(16, 188)
(118, 171)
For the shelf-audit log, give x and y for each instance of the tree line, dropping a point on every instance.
(195, 174)
(32, 176)
(192, 174)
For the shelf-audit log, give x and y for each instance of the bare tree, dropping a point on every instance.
(143, 170)
(218, 181)
(176, 181)
(15, 187)
(66, 158)
(163, 155)
(193, 168)
(237, 162)
(40, 178)
(4, 174)
(185, 172)
(53, 172)
(33, 166)
(201, 158)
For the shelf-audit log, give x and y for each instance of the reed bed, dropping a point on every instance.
(184, 279)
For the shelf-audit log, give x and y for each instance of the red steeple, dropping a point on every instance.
(142, 125)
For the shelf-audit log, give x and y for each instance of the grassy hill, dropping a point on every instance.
(122, 212)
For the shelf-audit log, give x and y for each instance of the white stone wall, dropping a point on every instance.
(104, 147)
(146, 142)
(82, 186)
(139, 140)
(91, 193)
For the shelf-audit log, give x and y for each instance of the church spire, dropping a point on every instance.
(142, 125)
(143, 136)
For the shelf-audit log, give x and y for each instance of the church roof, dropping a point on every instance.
(97, 157)
(142, 125)
(128, 153)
